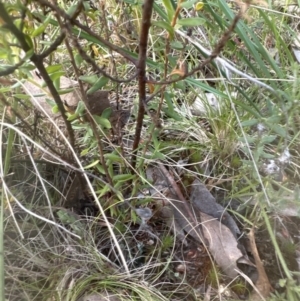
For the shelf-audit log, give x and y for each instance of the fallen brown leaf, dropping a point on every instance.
(221, 244)
(263, 286)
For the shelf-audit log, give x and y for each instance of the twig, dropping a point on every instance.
(262, 284)
(89, 60)
(214, 54)
(53, 46)
(141, 68)
(84, 98)
(179, 194)
(38, 62)
(89, 31)
(27, 125)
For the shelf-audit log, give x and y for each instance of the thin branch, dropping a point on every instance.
(89, 60)
(180, 196)
(53, 46)
(88, 30)
(84, 98)
(61, 37)
(141, 68)
(27, 125)
(38, 62)
(214, 54)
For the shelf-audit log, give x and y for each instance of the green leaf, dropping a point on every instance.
(56, 83)
(100, 169)
(254, 46)
(29, 41)
(53, 68)
(278, 129)
(266, 155)
(249, 122)
(204, 87)
(68, 218)
(188, 4)
(92, 164)
(196, 21)
(90, 79)
(84, 152)
(55, 109)
(158, 155)
(104, 190)
(80, 107)
(165, 25)
(169, 8)
(101, 82)
(103, 122)
(113, 158)
(22, 96)
(28, 55)
(5, 89)
(65, 91)
(247, 108)
(72, 9)
(78, 60)
(107, 113)
(50, 102)
(177, 45)
(38, 31)
(73, 117)
(282, 282)
(65, 217)
(248, 138)
(170, 112)
(123, 177)
(56, 75)
(268, 139)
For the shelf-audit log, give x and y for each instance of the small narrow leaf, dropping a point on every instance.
(72, 9)
(104, 190)
(188, 4)
(92, 164)
(104, 122)
(50, 102)
(53, 68)
(90, 79)
(191, 21)
(101, 82)
(107, 113)
(124, 177)
(78, 60)
(65, 91)
(55, 109)
(100, 169)
(84, 152)
(177, 45)
(250, 122)
(56, 75)
(73, 117)
(113, 158)
(80, 107)
(165, 25)
(169, 8)
(22, 96)
(41, 29)
(268, 139)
